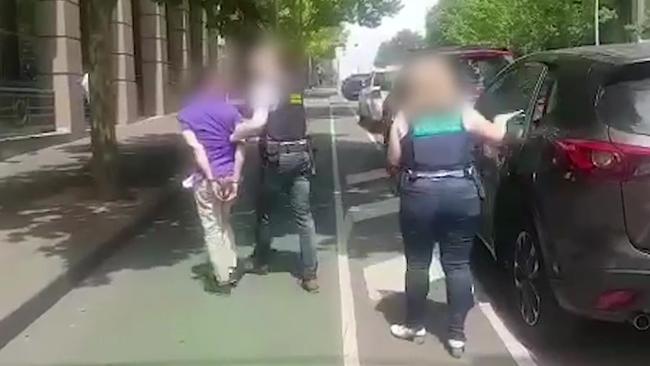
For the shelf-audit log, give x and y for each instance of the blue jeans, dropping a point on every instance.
(296, 185)
(446, 211)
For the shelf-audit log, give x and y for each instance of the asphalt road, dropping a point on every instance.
(146, 305)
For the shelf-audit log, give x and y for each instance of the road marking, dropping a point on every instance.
(348, 317)
(518, 351)
(364, 177)
(372, 138)
(370, 135)
(387, 277)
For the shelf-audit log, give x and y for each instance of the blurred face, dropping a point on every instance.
(220, 79)
(431, 86)
(265, 63)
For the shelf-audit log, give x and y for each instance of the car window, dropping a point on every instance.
(626, 106)
(480, 72)
(546, 99)
(512, 91)
(384, 80)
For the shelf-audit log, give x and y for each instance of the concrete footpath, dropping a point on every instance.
(54, 229)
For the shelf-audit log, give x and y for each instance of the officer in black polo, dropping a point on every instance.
(279, 119)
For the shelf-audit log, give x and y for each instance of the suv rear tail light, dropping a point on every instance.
(603, 158)
(615, 300)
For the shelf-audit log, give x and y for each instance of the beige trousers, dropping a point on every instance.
(217, 230)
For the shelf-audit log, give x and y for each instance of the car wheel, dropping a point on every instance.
(526, 271)
(542, 317)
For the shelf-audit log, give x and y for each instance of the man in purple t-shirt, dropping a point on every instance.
(207, 121)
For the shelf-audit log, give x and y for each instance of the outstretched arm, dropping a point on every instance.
(493, 132)
(252, 127)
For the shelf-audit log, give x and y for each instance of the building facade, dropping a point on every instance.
(44, 52)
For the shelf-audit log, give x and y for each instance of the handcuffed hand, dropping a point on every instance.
(225, 189)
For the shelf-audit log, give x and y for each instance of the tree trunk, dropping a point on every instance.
(105, 164)
(213, 46)
(196, 38)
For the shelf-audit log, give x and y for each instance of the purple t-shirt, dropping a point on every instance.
(213, 120)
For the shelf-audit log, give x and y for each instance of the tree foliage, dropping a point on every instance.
(522, 25)
(397, 49)
(315, 25)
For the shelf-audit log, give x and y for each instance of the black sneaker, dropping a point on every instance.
(213, 287)
(455, 348)
(244, 265)
(256, 266)
(224, 289)
(401, 331)
(310, 285)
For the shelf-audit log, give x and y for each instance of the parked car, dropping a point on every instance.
(371, 98)
(352, 85)
(567, 209)
(477, 68)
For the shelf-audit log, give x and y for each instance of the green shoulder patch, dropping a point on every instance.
(295, 99)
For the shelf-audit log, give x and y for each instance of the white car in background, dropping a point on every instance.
(371, 98)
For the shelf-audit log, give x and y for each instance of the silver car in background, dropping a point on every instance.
(371, 98)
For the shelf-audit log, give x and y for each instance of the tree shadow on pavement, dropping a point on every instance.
(56, 211)
(173, 236)
(281, 261)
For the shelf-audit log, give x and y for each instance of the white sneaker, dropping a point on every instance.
(403, 332)
(456, 348)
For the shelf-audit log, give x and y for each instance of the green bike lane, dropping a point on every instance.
(146, 304)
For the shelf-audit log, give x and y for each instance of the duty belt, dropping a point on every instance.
(439, 174)
(467, 173)
(287, 147)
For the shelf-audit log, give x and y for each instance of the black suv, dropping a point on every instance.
(567, 210)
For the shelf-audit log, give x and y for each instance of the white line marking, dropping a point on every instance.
(517, 350)
(348, 317)
(369, 176)
(370, 135)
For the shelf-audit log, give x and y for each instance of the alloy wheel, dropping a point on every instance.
(526, 271)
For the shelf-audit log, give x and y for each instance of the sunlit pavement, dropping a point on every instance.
(146, 305)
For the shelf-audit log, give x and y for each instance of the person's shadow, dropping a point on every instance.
(281, 261)
(393, 308)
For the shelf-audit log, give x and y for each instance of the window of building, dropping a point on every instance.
(17, 42)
